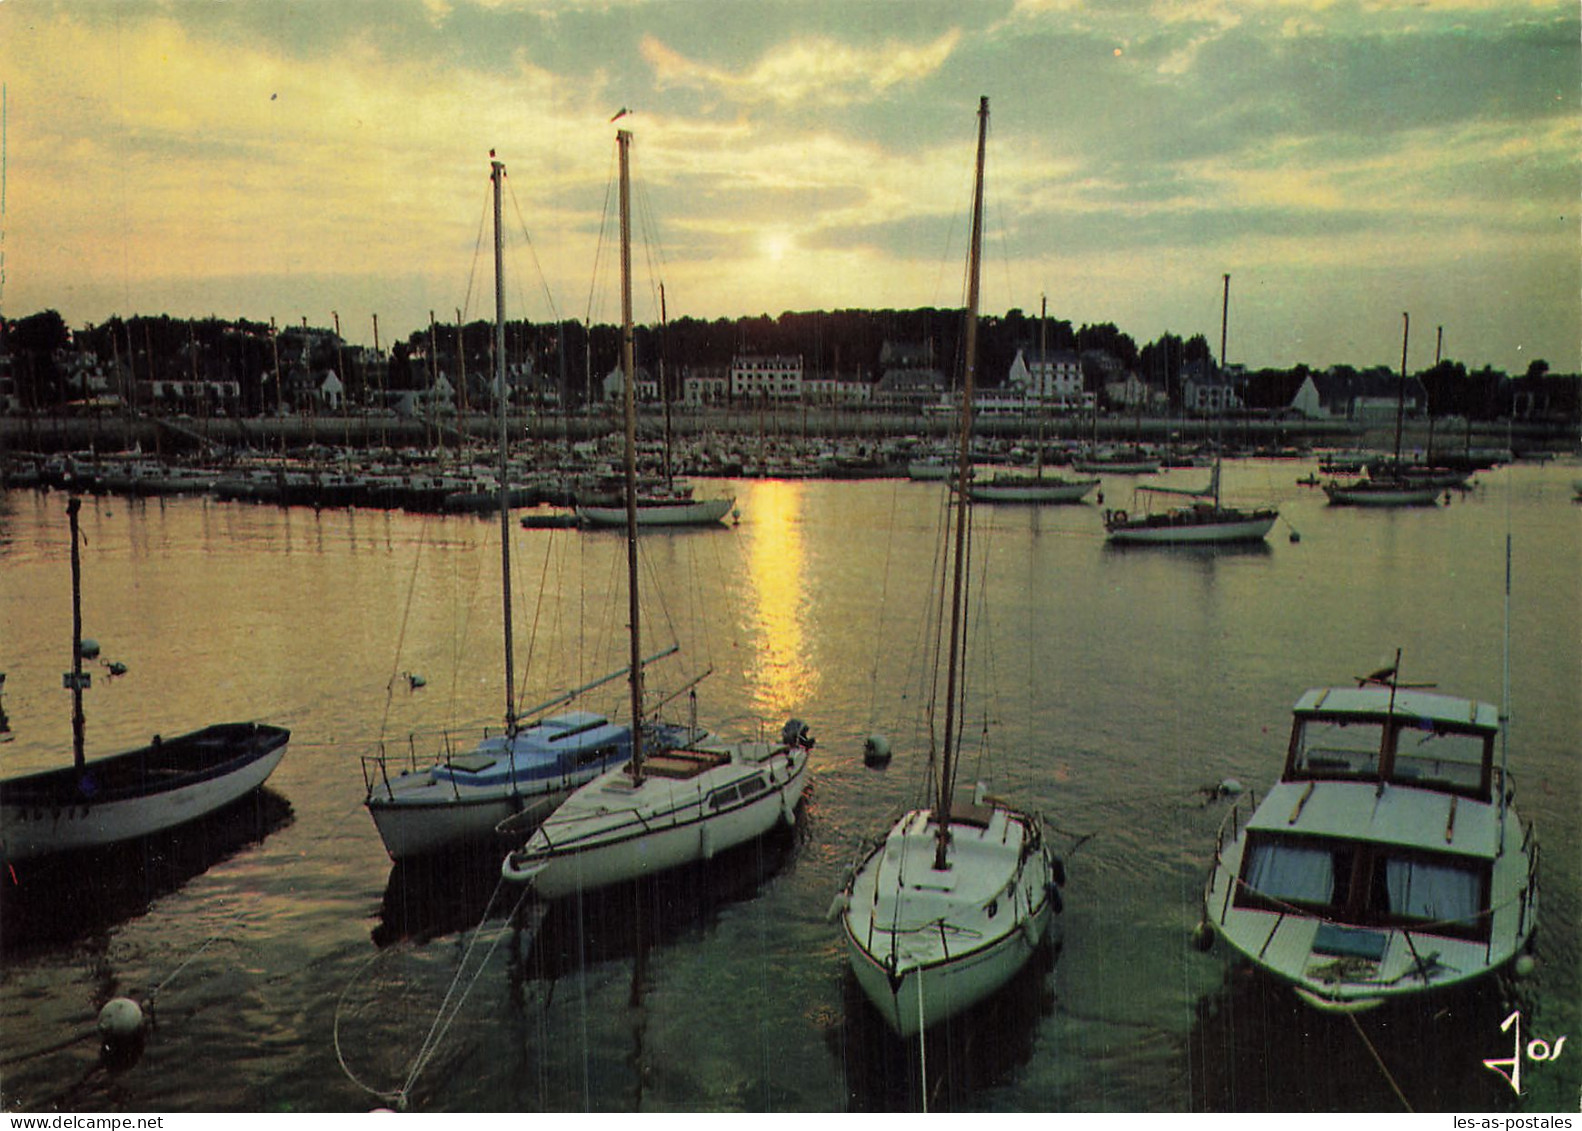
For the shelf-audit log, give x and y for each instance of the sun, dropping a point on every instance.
(777, 245)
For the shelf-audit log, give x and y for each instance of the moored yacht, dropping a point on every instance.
(1388, 860)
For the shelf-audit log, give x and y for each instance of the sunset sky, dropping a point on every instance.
(1343, 162)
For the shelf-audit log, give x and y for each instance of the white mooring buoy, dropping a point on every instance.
(120, 1021)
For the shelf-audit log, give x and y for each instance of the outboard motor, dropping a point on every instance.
(795, 733)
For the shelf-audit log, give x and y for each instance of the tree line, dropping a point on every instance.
(571, 359)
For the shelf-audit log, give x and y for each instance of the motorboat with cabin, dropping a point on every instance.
(1388, 860)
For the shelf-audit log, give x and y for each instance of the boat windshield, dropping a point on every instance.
(1437, 756)
(1328, 748)
(1426, 753)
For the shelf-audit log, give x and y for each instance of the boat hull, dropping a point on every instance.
(701, 512)
(608, 845)
(1032, 491)
(421, 829)
(63, 811)
(924, 951)
(1250, 529)
(1375, 495)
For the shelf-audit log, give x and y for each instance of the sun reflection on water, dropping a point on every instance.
(778, 675)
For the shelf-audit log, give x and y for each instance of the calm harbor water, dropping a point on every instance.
(292, 968)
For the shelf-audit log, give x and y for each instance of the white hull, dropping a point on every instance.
(1031, 491)
(925, 946)
(30, 832)
(1200, 533)
(698, 513)
(417, 829)
(1370, 875)
(612, 831)
(1376, 495)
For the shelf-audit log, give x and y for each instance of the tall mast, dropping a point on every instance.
(77, 679)
(496, 175)
(623, 141)
(1400, 393)
(1219, 441)
(963, 510)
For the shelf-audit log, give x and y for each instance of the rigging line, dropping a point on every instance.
(884, 590)
(549, 298)
(477, 246)
(406, 615)
(598, 250)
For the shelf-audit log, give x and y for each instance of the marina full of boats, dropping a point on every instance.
(1385, 864)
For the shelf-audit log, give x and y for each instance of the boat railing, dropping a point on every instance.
(1529, 895)
(1233, 822)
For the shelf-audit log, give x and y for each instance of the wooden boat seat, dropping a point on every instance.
(682, 764)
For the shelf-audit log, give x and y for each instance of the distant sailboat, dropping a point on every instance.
(957, 897)
(1207, 520)
(1392, 488)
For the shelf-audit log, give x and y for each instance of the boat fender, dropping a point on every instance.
(837, 907)
(1031, 932)
(1203, 936)
(1057, 868)
(893, 976)
(1052, 893)
(1230, 787)
(706, 841)
(1524, 966)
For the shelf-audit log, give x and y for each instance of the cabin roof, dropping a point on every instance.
(1409, 703)
(1360, 811)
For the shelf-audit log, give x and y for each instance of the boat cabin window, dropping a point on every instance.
(1366, 885)
(1445, 891)
(1288, 871)
(725, 795)
(1336, 748)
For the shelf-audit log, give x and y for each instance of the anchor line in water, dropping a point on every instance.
(449, 1009)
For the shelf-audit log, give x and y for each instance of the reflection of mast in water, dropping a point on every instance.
(780, 675)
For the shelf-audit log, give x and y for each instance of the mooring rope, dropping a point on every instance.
(1357, 1025)
(444, 1017)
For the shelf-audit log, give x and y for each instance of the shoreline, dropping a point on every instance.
(47, 434)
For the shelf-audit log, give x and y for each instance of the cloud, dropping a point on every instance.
(815, 71)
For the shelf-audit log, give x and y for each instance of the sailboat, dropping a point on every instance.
(523, 772)
(673, 503)
(676, 802)
(108, 801)
(957, 897)
(1018, 486)
(1392, 488)
(1206, 521)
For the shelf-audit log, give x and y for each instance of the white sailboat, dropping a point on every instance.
(957, 897)
(107, 801)
(523, 772)
(675, 803)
